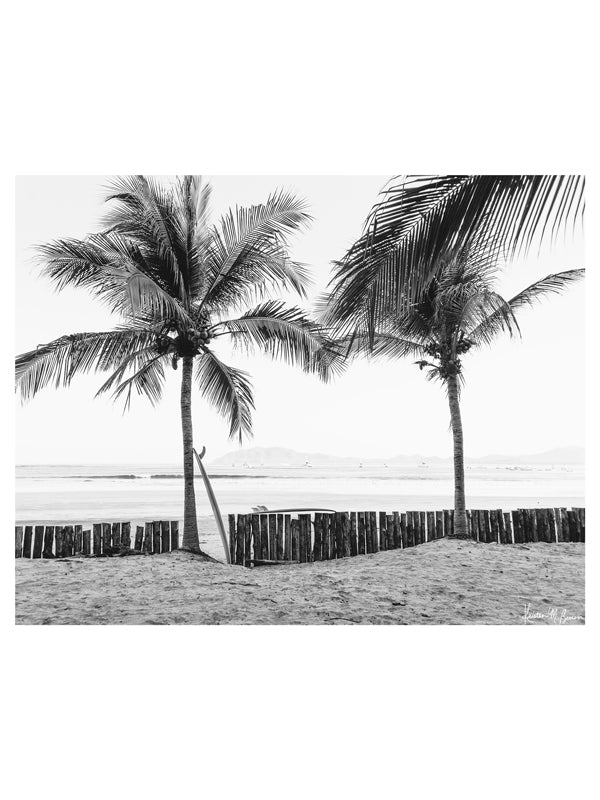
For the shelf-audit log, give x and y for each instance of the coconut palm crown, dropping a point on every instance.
(458, 310)
(178, 285)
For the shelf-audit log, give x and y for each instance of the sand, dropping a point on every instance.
(444, 582)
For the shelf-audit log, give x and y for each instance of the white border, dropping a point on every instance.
(327, 88)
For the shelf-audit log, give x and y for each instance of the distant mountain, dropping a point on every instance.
(279, 457)
(286, 457)
(559, 455)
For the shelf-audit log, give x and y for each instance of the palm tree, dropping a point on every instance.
(458, 310)
(419, 217)
(179, 284)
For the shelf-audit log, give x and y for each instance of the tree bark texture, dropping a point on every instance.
(190, 539)
(460, 517)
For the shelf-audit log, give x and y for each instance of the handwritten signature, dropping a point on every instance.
(557, 616)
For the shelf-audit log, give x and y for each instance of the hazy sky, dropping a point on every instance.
(521, 396)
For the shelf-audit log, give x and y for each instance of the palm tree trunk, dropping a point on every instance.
(190, 522)
(460, 516)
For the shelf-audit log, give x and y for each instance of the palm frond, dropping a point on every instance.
(250, 250)
(551, 284)
(193, 208)
(78, 353)
(285, 333)
(499, 319)
(144, 211)
(114, 269)
(148, 378)
(381, 345)
(228, 390)
(419, 217)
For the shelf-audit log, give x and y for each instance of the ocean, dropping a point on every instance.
(87, 493)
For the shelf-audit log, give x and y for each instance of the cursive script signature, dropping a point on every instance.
(557, 616)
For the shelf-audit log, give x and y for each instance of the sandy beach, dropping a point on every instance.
(444, 582)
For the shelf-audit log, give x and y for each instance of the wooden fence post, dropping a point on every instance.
(27, 541)
(280, 542)
(264, 537)
(487, 527)
(97, 539)
(403, 529)
(483, 537)
(106, 538)
(338, 534)
(501, 526)
(232, 535)
(494, 529)
(543, 525)
(548, 525)
(581, 524)
(174, 534)
(362, 541)
(475, 523)
(551, 532)
(256, 546)
(147, 545)
(508, 527)
(564, 526)
(416, 519)
(382, 531)
(374, 535)
(396, 530)
(295, 533)
(165, 536)
(318, 536)
(78, 540)
(139, 538)
(48, 542)
(353, 534)
(439, 525)
(87, 542)
(345, 520)
(69, 540)
(304, 520)
(240, 539)
(126, 535)
(325, 537)
(410, 532)
(557, 525)
(368, 537)
(389, 531)
(518, 526)
(574, 526)
(422, 527)
(156, 539)
(470, 530)
(248, 541)
(38, 541)
(528, 522)
(18, 541)
(59, 541)
(273, 537)
(533, 524)
(115, 541)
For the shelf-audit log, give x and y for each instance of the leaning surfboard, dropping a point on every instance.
(213, 503)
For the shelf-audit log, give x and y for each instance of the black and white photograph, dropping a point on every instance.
(301, 443)
(300, 400)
